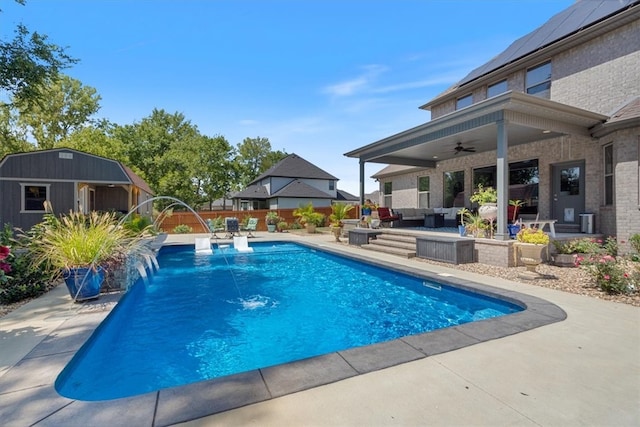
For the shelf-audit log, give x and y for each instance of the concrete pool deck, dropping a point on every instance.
(584, 370)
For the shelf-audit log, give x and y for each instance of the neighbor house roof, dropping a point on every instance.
(253, 192)
(346, 197)
(294, 166)
(298, 189)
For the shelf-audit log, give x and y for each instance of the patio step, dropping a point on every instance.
(394, 244)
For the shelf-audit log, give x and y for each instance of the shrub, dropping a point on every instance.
(19, 278)
(138, 223)
(611, 274)
(576, 246)
(182, 229)
(634, 241)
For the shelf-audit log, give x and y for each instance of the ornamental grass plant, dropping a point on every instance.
(78, 240)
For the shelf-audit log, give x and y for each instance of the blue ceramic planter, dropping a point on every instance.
(513, 230)
(87, 280)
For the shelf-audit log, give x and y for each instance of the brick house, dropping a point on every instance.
(554, 120)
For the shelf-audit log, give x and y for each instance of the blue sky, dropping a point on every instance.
(318, 78)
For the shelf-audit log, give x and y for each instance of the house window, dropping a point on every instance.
(539, 80)
(465, 101)
(332, 185)
(453, 189)
(608, 175)
(497, 88)
(523, 182)
(34, 196)
(423, 192)
(387, 192)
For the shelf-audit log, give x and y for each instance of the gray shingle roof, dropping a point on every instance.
(299, 189)
(253, 192)
(294, 166)
(343, 196)
(581, 14)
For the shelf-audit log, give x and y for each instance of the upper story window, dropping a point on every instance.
(497, 88)
(539, 80)
(34, 196)
(332, 185)
(465, 101)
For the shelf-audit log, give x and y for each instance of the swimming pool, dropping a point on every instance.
(204, 317)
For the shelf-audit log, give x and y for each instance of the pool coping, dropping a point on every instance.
(193, 401)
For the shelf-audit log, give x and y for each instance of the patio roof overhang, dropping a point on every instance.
(509, 119)
(526, 119)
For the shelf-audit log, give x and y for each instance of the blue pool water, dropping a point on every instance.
(207, 316)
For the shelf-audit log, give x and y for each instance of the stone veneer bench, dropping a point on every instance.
(455, 250)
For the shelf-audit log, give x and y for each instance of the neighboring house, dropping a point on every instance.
(554, 120)
(288, 184)
(70, 180)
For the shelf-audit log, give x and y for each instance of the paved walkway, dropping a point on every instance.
(584, 370)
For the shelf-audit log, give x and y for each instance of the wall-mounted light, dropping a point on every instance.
(546, 131)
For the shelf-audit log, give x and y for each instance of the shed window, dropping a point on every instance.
(34, 196)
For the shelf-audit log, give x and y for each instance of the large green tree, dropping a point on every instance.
(97, 139)
(255, 157)
(11, 140)
(67, 106)
(28, 61)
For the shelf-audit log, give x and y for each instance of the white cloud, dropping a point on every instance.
(357, 84)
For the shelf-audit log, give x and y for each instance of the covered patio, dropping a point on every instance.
(501, 127)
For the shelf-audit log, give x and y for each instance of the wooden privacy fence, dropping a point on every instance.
(188, 218)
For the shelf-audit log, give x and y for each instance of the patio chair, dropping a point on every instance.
(214, 228)
(386, 217)
(241, 244)
(203, 246)
(251, 226)
(232, 226)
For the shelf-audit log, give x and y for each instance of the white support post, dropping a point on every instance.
(502, 180)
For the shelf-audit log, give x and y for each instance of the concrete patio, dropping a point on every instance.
(584, 370)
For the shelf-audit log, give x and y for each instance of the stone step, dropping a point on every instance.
(390, 250)
(410, 246)
(397, 238)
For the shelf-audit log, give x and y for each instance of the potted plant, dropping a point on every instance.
(476, 226)
(339, 212)
(272, 219)
(567, 251)
(78, 246)
(486, 197)
(461, 228)
(514, 227)
(309, 217)
(531, 243)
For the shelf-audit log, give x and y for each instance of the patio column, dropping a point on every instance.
(502, 180)
(362, 162)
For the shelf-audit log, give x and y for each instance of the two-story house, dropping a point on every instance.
(288, 184)
(554, 120)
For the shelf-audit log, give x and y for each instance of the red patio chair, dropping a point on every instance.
(385, 216)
